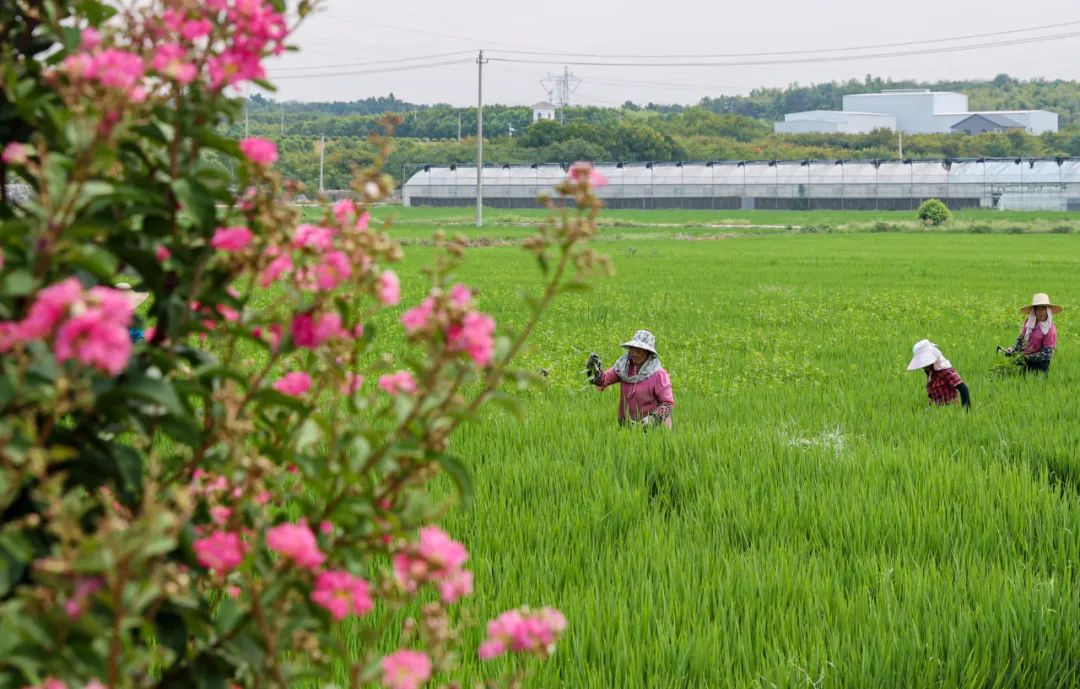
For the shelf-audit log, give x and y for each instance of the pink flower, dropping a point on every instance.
(342, 594)
(50, 683)
(279, 266)
(90, 39)
(345, 211)
(84, 588)
(440, 550)
(460, 296)
(49, 307)
(416, 318)
(234, 66)
(221, 552)
(313, 237)
(16, 153)
(273, 335)
(95, 684)
(459, 583)
(309, 332)
(220, 514)
(406, 669)
(9, 335)
(94, 340)
(523, 632)
(475, 336)
(584, 172)
(352, 383)
(172, 61)
(296, 542)
(231, 238)
(396, 383)
(362, 221)
(259, 151)
(196, 29)
(389, 288)
(162, 253)
(293, 384)
(332, 271)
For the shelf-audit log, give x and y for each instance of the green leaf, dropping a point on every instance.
(197, 204)
(18, 283)
(310, 433)
(156, 390)
(269, 398)
(460, 475)
(96, 260)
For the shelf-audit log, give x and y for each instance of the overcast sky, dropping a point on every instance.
(351, 37)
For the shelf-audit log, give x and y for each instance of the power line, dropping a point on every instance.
(797, 52)
(834, 58)
(405, 68)
(375, 62)
(453, 37)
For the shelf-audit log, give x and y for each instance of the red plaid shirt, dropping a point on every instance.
(941, 385)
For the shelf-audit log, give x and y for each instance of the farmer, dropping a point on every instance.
(1038, 335)
(644, 386)
(942, 381)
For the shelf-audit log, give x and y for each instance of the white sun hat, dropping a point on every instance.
(133, 297)
(1041, 299)
(924, 353)
(642, 339)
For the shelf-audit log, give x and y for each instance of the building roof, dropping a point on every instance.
(543, 105)
(996, 119)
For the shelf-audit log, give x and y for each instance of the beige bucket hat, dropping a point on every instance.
(1041, 299)
(642, 339)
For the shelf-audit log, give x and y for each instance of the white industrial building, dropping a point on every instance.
(912, 111)
(1007, 183)
(834, 122)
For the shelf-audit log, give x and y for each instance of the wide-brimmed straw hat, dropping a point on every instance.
(1041, 299)
(642, 339)
(133, 297)
(925, 353)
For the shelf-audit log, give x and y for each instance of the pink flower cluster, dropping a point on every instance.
(297, 543)
(465, 330)
(583, 172)
(401, 382)
(220, 552)
(312, 259)
(523, 631)
(259, 151)
(88, 326)
(112, 68)
(16, 153)
(435, 558)
(254, 31)
(406, 669)
(342, 594)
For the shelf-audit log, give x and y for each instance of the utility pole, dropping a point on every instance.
(459, 127)
(322, 150)
(282, 118)
(901, 144)
(559, 89)
(246, 128)
(480, 139)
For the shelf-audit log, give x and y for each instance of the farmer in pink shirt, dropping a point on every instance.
(644, 386)
(1038, 335)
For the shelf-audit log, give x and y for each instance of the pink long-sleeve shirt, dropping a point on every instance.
(638, 400)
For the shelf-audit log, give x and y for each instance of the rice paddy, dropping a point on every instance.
(810, 521)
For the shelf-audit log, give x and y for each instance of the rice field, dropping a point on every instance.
(810, 521)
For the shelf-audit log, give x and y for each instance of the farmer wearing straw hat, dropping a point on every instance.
(645, 395)
(1038, 334)
(135, 332)
(943, 383)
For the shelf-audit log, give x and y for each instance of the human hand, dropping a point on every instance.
(1010, 351)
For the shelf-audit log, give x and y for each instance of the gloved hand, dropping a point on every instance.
(593, 369)
(1010, 351)
(648, 422)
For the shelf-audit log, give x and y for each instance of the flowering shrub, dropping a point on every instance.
(196, 491)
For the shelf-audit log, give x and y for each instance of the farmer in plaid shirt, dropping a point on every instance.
(943, 383)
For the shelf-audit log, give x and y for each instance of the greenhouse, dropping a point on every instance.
(1006, 184)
